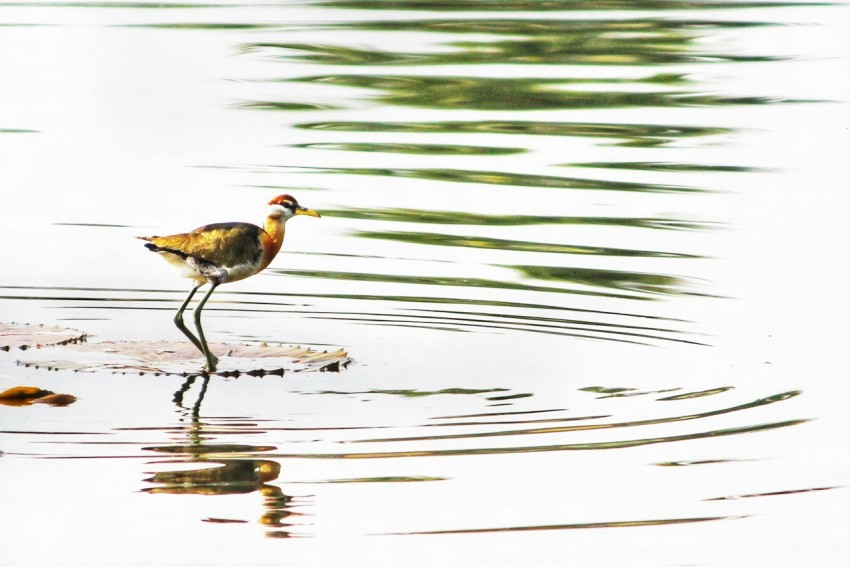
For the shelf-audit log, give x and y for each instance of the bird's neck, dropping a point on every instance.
(273, 239)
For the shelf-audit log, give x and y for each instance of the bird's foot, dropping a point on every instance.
(212, 363)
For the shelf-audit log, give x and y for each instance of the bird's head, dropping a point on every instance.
(285, 207)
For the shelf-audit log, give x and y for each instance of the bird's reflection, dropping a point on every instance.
(218, 473)
(178, 395)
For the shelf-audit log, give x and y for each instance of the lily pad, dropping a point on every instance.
(23, 337)
(170, 358)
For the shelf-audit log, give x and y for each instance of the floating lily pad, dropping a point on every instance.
(183, 359)
(23, 337)
(27, 395)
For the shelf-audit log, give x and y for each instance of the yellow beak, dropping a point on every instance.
(308, 212)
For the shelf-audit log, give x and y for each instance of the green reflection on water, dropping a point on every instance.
(602, 445)
(635, 135)
(775, 493)
(423, 149)
(531, 41)
(491, 93)
(623, 392)
(610, 279)
(596, 426)
(512, 245)
(699, 462)
(509, 178)
(591, 525)
(692, 395)
(554, 5)
(633, 281)
(205, 26)
(463, 218)
(284, 105)
(667, 167)
(419, 393)
(606, 390)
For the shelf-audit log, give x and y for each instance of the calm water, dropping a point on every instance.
(587, 259)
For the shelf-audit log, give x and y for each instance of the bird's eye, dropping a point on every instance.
(287, 204)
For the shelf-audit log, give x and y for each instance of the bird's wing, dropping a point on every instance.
(223, 244)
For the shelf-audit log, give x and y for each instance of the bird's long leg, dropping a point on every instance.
(178, 320)
(211, 359)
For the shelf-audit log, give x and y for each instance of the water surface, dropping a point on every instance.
(585, 258)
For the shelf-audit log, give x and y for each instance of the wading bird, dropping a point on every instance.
(221, 253)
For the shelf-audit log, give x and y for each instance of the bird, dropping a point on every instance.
(221, 253)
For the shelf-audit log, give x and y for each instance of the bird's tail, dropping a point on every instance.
(149, 243)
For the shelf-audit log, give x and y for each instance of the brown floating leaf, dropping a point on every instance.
(56, 400)
(26, 395)
(13, 335)
(23, 393)
(162, 357)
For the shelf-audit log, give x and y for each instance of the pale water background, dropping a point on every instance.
(589, 259)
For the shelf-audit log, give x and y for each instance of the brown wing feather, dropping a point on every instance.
(223, 244)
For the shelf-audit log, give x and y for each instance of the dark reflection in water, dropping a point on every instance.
(641, 283)
(548, 59)
(205, 466)
(220, 475)
(629, 53)
(700, 462)
(209, 26)
(644, 284)
(616, 279)
(522, 41)
(592, 525)
(776, 493)
(554, 5)
(510, 179)
(238, 476)
(548, 448)
(386, 479)
(487, 93)
(669, 167)
(421, 149)
(439, 451)
(692, 395)
(532, 42)
(420, 393)
(473, 219)
(635, 135)
(284, 105)
(595, 426)
(517, 245)
(229, 477)
(618, 392)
